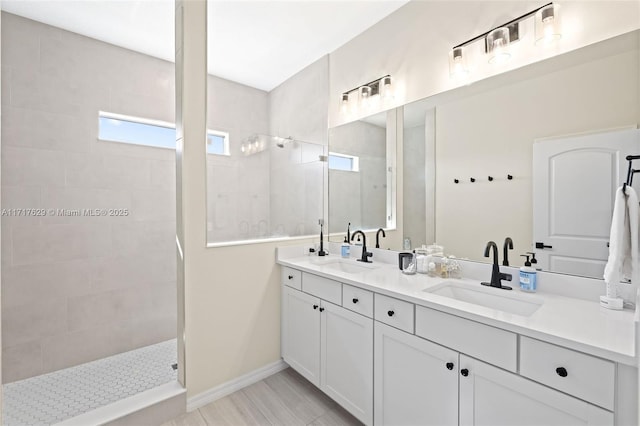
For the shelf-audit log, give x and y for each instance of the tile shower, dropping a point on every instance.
(78, 290)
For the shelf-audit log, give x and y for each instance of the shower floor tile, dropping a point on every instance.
(62, 394)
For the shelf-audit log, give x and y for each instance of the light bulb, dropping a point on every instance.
(498, 45)
(387, 88)
(458, 63)
(344, 103)
(365, 94)
(547, 25)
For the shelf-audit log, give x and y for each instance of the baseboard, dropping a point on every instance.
(234, 385)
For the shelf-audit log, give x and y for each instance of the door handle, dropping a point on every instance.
(542, 246)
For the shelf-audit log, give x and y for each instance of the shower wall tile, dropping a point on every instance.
(33, 321)
(52, 243)
(23, 285)
(153, 205)
(26, 166)
(25, 359)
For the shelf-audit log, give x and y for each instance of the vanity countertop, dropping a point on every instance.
(582, 325)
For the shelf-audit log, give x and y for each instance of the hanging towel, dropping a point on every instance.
(623, 242)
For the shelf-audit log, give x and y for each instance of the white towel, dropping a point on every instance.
(623, 241)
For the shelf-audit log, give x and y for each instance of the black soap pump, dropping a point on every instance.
(534, 261)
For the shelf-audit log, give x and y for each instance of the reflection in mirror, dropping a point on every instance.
(361, 177)
(418, 150)
(267, 187)
(492, 129)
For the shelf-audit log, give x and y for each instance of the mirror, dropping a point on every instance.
(362, 178)
(488, 130)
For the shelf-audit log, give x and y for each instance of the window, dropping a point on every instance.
(160, 134)
(217, 142)
(344, 162)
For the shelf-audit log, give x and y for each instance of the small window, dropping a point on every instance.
(117, 128)
(217, 142)
(141, 131)
(344, 162)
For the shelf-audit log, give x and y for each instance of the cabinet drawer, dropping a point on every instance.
(324, 288)
(578, 374)
(396, 313)
(357, 300)
(495, 346)
(292, 278)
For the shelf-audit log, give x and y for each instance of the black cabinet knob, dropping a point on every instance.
(390, 313)
(449, 366)
(464, 372)
(290, 277)
(321, 309)
(562, 372)
(355, 300)
(315, 306)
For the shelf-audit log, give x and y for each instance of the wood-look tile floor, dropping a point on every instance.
(284, 399)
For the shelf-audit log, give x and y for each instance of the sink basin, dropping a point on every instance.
(501, 300)
(349, 266)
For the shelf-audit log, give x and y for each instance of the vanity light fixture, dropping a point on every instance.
(362, 97)
(498, 40)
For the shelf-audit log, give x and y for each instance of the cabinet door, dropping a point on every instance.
(347, 360)
(301, 333)
(416, 381)
(490, 396)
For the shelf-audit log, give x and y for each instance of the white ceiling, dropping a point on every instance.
(257, 43)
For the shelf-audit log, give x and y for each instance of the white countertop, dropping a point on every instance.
(578, 324)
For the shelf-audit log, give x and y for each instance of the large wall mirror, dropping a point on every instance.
(545, 146)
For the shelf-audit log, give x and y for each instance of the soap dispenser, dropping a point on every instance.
(345, 249)
(528, 276)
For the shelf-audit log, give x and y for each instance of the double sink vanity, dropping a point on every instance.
(396, 349)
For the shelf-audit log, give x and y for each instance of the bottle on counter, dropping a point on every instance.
(528, 276)
(345, 249)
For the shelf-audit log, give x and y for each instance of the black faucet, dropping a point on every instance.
(508, 245)
(378, 237)
(349, 232)
(365, 254)
(496, 275)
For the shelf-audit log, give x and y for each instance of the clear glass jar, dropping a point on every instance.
(422, 265)
(435, 260)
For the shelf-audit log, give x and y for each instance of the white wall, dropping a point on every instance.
(413, 43)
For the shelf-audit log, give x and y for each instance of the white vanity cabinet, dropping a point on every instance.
(491, 396)
(329, 345)
(416, 381)
(389, 361)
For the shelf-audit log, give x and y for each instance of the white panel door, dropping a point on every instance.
(346, 361)
(415, 381)
(493, 397)
(574, 183)
(301, 328)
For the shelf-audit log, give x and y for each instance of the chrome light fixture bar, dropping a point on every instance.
(498, 39)
(362, 96)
